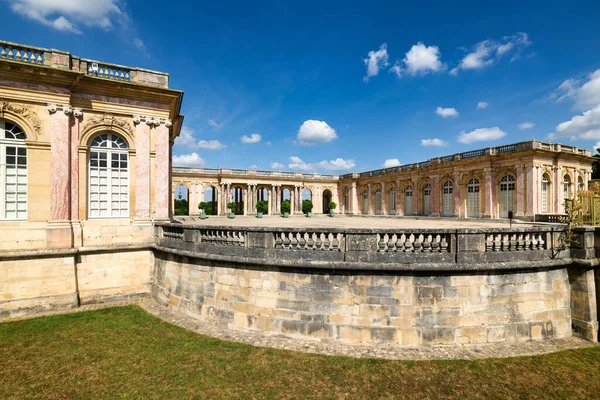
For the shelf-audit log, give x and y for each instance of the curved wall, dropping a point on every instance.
(409, 309)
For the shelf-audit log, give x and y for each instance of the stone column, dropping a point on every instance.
(369, 200)
(520, 192)
(75, 217)
(220, 199)
(532, 191)
(248, 202)
(456, 192)
(384, 200)
(399, 197)
(489, 198)
(415, 196)
(162, 179)
(193, 198)
(557, 203)
(142, 167)
(434, 204)
(353, 199)
(575, 183)
(60, 233)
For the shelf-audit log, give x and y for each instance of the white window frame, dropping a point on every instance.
(473, 190)
(545, 186)
(392, 200)
(124, 212)
(20, 179)
(408, 201)
(448, 199)
(427, 199)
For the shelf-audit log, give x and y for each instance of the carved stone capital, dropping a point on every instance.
(52, 108)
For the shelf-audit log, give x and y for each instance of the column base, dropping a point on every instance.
(77, 233)
(59, 234)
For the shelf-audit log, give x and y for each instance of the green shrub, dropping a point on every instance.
(307, 206)
(262, 206)
(286, 206)
(331, 205)
(231, 206)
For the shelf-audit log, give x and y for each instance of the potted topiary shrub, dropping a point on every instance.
(285, 208)
(203, 206)
(261, 207)
(231, 207)
(307, 207)
(331, 207)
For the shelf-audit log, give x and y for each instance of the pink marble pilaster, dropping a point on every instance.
(489, 197)
(399, 195)
(75, 165)
(520, 192)
(557, 191)
(162, 182)
(142, 170)
(456, 193)
(60, 163)
(415, 197)
(435, 197)
(531, 190)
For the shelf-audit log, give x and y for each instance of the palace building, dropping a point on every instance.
(528, 178)
(85, 147)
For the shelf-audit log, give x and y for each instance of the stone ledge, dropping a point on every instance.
(62, 252)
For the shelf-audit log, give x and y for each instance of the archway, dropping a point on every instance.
(473, 198)
(327, 196)
(448, 199)
(392, 201)
(237, 198)
(286, 195)
(181, 204)
(408, 201)
(306, 196)
(507, 190)
(427, 199)
(378, 200)
(211, 197)
(262, 195)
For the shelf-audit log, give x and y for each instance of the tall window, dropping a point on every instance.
(13, 172)
(580, 186)
(473, 198)
(545, 190)
(408, 195)
(346, 201)
(448, 199)
(507, 190)
(365, 208)
(566, 190)
(426, 199)
(108, 177)
(392, 202)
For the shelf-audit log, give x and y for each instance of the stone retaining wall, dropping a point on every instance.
(401, 308)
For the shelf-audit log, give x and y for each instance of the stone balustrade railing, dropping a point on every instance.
(64, 60)
(369, 249)
(250, 172)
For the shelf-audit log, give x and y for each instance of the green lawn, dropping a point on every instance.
(125, 352)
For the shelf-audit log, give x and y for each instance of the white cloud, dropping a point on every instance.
(482, 104)
(585, 93)
(446, 112)
(433, 142)
(185, 138)
(210, 145)
(253, 166)
(526, 125)
(254, 138)
(485, 53)
(584, 126)
(595, 148)
(137, 42)
(214, 124)
(314, 132)
(481, 135)
(188, 160)
(276, 165)
(339, 164)
(63, 14)
(419, 60)
(391, 162)
(375, 61)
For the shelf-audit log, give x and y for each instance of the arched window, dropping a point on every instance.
(448, 198)
(566, 190)
(408, 199)
(392, 201)
(545, 189)
(473, 198)
(580, 185)
(108, 177)
(427, 199)
(13, 172)
(365, 207)
(378, 201)
(346, 203)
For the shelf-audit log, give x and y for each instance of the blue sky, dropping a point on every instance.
(334, 87)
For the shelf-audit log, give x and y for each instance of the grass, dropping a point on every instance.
(125, 352)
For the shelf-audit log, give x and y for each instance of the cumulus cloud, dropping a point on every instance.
(188, 160)
(137, 42)
(210, 145)
(339, 164)
(595, 148)
(487, 52)
(585, 93)
(314, 132)
(391, 162)
(481, 135)
(276, 165)
(526, 125)
(375, 61)
(419, 60)
(584, 126)
(446, 112)
(482, 104)
(254, 138)
(433, 143)
(63, 15)
(186, 138)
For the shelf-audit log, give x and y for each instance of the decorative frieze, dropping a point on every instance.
(24, 111)
(152, 121)
(108, 121)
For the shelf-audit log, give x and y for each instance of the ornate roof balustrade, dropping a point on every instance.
(491, 151)
(64, 60)
(370, 249)
(250, 172)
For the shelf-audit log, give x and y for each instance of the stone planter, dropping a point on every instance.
(332, 213)
(309, 214)
(285, 214)
(231, 215)
(259, 214)
(203, 215)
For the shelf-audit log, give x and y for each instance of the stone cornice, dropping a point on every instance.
(152, 121)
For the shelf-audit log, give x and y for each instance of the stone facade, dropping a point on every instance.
(362, 308)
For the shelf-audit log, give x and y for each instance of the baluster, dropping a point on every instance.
(278, 241)
(286, 240)
(427, 243)
(3, 53)
(489, 242)
(302, 241)
(293, 240)
(310, 241)
(444, 244)
(435, 243)
(408, 244)
(318, 242)
(393, 242)
(520, 242)
(39, 59)
(418, 243)
(326, 241)
(335, 243)
(381, 242)
(541, 241)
